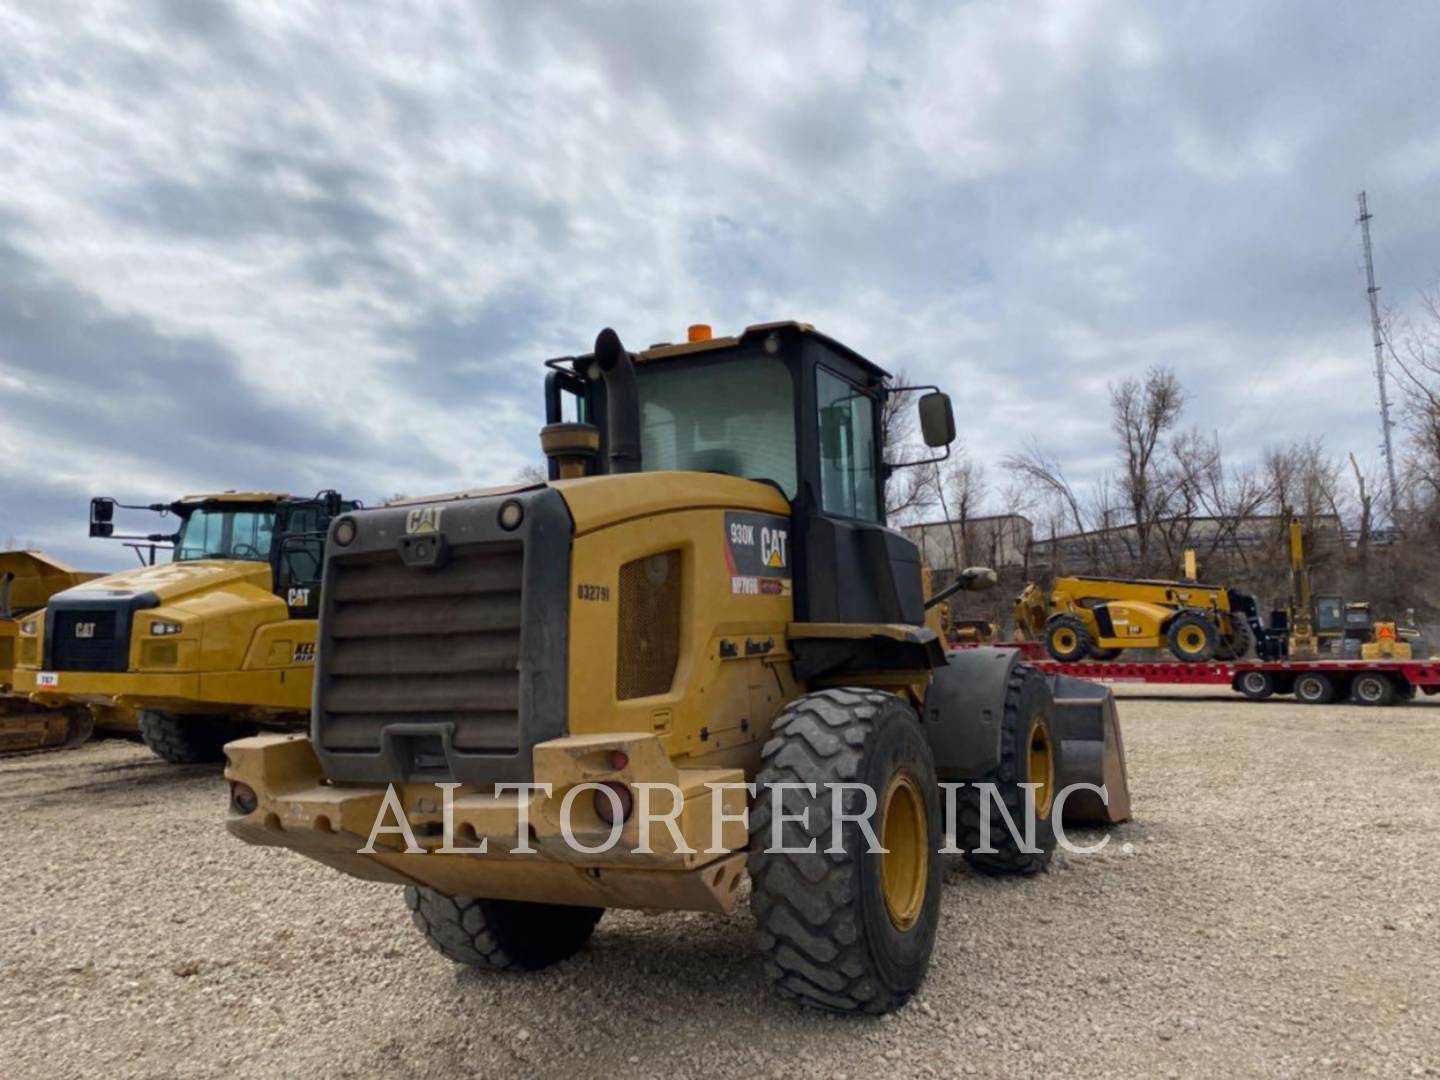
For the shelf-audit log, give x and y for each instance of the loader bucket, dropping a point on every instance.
(1086, 729)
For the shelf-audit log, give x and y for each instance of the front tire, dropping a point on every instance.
(850, 931)
(1067, 639)
(500, 935)
(185, 740)
(1027, 755)
(1192, 638)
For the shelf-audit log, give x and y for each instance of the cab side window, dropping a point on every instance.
(849, 486)
(300, 559)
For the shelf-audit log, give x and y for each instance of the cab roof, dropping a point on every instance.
(752, 334)
(235, 497)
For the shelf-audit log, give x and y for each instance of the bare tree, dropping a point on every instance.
(1141, 413)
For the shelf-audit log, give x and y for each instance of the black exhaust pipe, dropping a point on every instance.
(622, 402)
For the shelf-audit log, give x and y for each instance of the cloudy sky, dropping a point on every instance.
(294, 245)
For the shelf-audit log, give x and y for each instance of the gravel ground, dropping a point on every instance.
(1273, 911)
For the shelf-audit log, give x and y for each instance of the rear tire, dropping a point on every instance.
(1255, 685)
(852, 931)
(1067, 639)
(1241, 643)
(1192, 638)
(1025, 720)
(1313, 688)
(500, 935)
(186, 740)
(1372, 688)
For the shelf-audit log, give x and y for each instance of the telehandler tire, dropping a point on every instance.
(1192, 638)
(1240, 644)
(185, 740)
(849, 930)
(500, 935)
(1067, 639)
(1027, 756)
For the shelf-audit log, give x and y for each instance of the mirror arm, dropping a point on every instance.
(892, 465)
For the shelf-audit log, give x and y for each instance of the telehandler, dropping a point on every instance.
(705, 594)
(213, 645)
(1097, 618)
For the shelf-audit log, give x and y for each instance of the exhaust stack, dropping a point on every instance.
(622, 402)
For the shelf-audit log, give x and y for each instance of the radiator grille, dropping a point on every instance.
(406, 645)
(87, 641)
(649, 644)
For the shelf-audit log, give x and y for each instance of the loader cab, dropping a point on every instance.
(781, 405)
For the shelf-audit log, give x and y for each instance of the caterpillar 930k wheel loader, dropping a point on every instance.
(216, 644)
(705, 595)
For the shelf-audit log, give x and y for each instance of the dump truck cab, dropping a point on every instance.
(219, 639)
(704, 595)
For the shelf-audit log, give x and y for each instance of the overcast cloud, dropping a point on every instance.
(297, 245)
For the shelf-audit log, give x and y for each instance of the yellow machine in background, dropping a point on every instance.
(1097, 618)
(211, 646)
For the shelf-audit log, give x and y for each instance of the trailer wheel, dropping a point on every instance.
(1314, 688)
(1067, 639)
(1255, 685)
(1192, 638)
(499, 934)
(851, 929)
(1372, 688)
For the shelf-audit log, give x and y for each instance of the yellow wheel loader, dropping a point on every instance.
(538, 702)
(215, 644)
(27, 580)
(1095, 618)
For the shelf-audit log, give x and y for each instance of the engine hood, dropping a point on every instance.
(598, 501)
(168, 582)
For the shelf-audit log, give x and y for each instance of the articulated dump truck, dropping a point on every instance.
(27, 580)
(704, 611)
(216, 644)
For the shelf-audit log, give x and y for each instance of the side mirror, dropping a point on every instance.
(937, 419)
(332, 503)
(102, 517)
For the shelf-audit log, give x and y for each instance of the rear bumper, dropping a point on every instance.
(297, 809)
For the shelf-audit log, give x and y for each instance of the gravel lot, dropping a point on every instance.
(1273, 911)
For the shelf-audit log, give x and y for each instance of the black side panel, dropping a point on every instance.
(1103, 620)
(89, 629)
(964, 711)
(857, 572)
(442, 649)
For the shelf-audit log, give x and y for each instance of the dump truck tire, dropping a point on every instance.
(1372, 688)
(500, 935)
(1104, 654)
(1313, 688)
(850, 931)
(184, 740)
(1192, 638)
(1067, 639)
(1027, 755)
(1255, 685)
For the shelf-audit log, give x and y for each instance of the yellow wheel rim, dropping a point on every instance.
(1040, 768)
(1064, 639)
(904, 867)
(1192, 638)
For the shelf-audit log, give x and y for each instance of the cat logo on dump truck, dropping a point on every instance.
(423, 519)
(757, 552)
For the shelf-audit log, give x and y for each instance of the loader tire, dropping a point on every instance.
(1067, 639)
(1027, 756)
(1192, 638)
(1241, 643)
(185, 740)
(500, 935)
(850, 931)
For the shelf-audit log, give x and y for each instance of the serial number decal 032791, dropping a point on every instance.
(593, 592)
